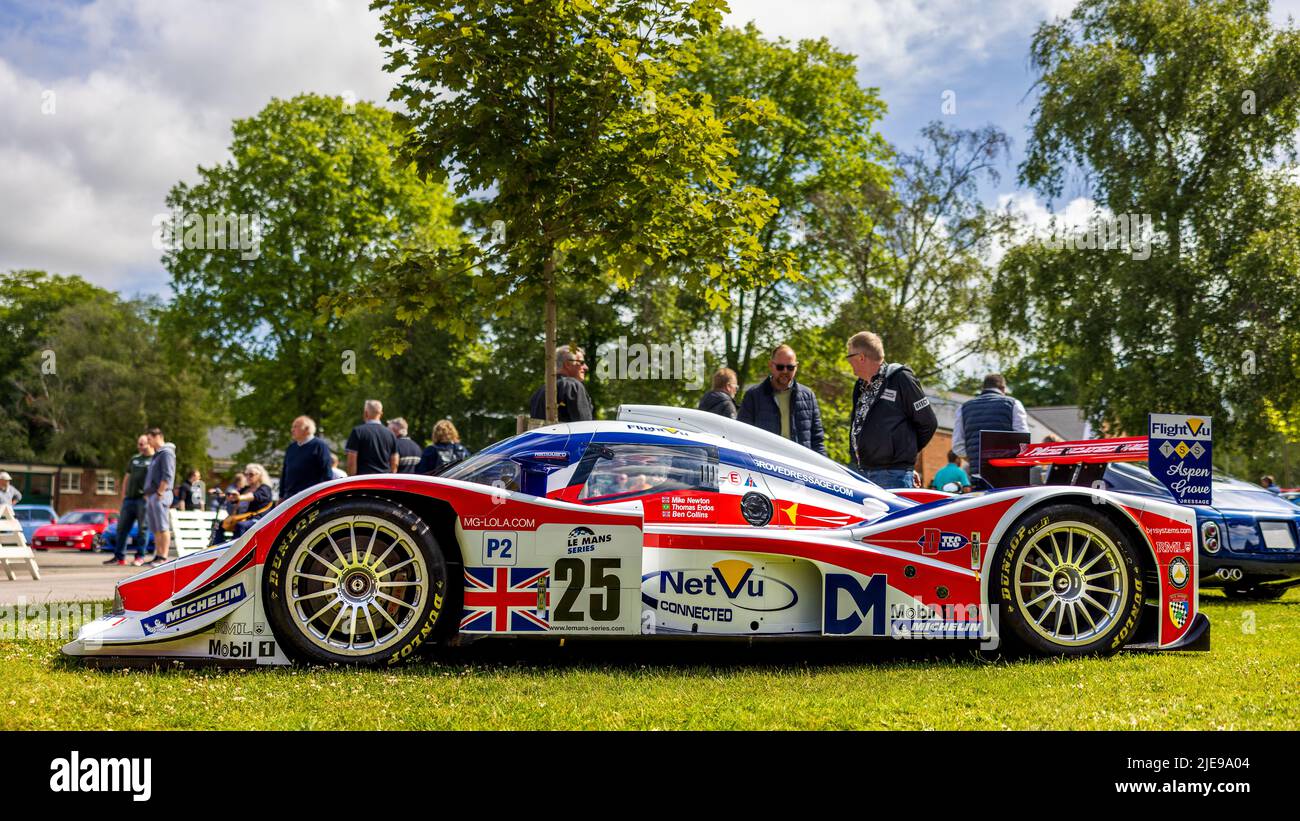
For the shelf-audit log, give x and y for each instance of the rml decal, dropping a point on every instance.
(847, 604)
(194, 609)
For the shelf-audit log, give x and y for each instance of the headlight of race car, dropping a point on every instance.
(1210, 537)
(118, 607)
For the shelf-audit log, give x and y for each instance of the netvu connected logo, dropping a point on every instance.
(125, 775)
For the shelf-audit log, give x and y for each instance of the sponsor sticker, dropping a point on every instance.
(262, 648)
(1178, 608)
(735, 477)
(485, 522)
(193, 609)
(583, 539)
(803, 478)
(1178, 453)
(1179, 572)
(934, 541)
(848, 604)
(716, 592)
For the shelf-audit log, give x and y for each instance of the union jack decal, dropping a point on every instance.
(506, 600)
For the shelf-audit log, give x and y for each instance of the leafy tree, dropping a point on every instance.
(816, 140)
(1199, 138)
(565, 119)
(320, 179)
(112, 373)
(913, 260)
(1038, 380)
(30, 302)
(916, 255)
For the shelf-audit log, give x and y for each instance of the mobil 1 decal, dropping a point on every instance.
(1178, 452)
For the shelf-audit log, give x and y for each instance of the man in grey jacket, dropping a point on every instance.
(158, 484)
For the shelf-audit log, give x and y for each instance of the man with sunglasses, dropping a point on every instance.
(780, 405)
(892, 420)
(570, 394)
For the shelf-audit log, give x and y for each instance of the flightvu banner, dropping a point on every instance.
(1178, 451)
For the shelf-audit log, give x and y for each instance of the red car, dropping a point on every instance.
(78, 529)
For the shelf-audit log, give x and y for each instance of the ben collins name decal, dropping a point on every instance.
(109, 775)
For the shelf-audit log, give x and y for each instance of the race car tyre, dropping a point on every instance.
(1256, 593)
(1068, 583)
(359, 581)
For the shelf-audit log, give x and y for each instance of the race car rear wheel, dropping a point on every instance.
(1068, 583)
(358, 581)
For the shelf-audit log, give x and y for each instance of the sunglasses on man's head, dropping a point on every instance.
(781, 367)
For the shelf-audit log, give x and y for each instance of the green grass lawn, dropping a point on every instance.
(1248, 681)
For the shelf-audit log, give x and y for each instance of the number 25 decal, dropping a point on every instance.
(604, 598)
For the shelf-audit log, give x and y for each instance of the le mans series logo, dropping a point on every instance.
(1179, 455)
(193, 609)
(584, 540)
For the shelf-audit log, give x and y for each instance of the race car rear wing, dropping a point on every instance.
(1007, 456)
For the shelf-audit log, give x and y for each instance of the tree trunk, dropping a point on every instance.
(548, 276)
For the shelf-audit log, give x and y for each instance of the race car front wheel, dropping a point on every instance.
(1068, 583)
(357, 581)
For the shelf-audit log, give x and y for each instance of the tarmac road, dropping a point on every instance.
(66, 575)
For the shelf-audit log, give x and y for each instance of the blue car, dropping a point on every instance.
(1249, 540)
(33, 517)
(108, 541)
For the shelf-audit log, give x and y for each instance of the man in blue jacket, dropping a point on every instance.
(782, 406)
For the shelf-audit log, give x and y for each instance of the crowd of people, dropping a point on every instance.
(149, 490)
(892, 420)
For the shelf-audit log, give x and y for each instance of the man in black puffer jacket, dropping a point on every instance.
(722, 399)
(892, 420)
(782, 406)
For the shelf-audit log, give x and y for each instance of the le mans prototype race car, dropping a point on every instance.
(666, 522)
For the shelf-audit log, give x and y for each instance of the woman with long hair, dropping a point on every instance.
(445, 451)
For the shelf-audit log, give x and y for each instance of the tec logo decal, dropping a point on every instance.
(935, 541)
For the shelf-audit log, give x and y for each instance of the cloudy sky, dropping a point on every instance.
(109, 103)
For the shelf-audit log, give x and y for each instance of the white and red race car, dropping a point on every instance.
(666, 522)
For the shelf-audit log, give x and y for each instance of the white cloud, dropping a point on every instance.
(149, 95)
(903, 42)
